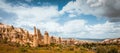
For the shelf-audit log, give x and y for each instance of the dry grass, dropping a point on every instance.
(5, 48)
(9, 48)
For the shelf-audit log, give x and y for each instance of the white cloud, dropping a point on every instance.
(36, 15)
(101, 28)
(30, 16)
(52, 26)
(105, 30)
(40, 13)
(73, 26)
(72, 15)
(71, 7)
(101, 8)
(80, 28)
(68, 27)
(43, 18)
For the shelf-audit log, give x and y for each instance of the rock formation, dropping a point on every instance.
(23, 37)
(35, 38)
(46, 38)
(111, 41)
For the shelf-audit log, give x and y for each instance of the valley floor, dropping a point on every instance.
(15, 48)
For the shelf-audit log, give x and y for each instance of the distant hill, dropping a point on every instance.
(111, 41)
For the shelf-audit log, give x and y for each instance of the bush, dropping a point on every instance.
(17, 44)
(23, 50)
(4, 41)
(52, 44)
(107, 49)
(28, 45)
(71, 49)
(113, 50)
(101, 49)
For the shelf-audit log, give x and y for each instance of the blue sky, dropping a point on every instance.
(64, 18)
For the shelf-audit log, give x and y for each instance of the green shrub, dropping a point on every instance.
(28, 45)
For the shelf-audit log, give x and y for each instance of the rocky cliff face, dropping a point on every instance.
(18, 35)
(23, 37)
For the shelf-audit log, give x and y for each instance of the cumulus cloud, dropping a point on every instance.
(110, 7)
(72, 15)
(73, 26)
(44, 18)
(101, 8)
(36, 15)
(105, 30)
(80, 28)
(68, 27)
(101, 28)
(27, 16)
